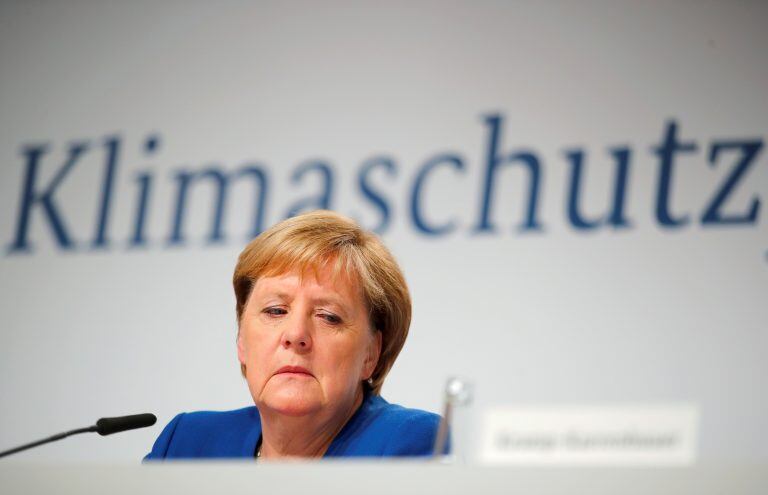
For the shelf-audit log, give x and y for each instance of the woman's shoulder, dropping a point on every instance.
(209, 434)
(380, 428)
(400, 416)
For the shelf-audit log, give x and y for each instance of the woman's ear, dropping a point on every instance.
(374, 351)
(240, 348)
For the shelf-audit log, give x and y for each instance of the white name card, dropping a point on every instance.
(641, 435)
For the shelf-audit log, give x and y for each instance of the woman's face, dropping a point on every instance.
(306, 343)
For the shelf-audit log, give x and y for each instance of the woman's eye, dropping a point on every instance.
(330, 318)
(275, 311)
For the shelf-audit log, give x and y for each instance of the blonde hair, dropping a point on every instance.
(312, 240)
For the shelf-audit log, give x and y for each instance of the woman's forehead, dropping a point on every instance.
(318, 280)
(305, 264)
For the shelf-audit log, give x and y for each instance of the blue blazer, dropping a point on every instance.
(377, 429)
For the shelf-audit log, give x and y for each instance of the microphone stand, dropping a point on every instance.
(458, 392)
(53, 438)
(104, 426)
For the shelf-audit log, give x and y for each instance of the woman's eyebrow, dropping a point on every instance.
(276, 293)
(330, 301)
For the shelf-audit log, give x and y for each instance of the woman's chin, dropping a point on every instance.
(293, 401)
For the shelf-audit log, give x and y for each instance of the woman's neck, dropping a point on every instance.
(302, 436)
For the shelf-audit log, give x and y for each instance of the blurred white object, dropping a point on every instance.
(607, 435)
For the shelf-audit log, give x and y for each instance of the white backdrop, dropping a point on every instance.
(645, 313)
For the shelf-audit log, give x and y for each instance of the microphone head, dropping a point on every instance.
(107, 426)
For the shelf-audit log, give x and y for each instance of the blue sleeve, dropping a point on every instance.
(415, 436)
(160, 448)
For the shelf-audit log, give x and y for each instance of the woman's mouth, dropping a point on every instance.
(294, 370)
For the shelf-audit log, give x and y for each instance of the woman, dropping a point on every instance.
(323, 310)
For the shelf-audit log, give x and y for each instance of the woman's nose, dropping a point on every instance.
(298, 336)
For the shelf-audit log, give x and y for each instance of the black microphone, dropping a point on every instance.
(104, 426)
(108, 426)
